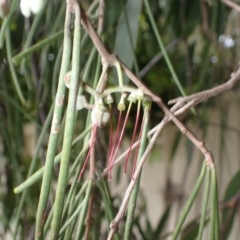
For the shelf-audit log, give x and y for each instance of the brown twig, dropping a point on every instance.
(232, 5)
(204, 95)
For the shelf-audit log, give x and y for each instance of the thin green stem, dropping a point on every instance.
(76, 167)
(189, 203)
(69, 125)
(38, 174)
(75, 211)
(17, 58)
(164, 52)
(52, 144)
(80, 226)
(30, 34)
(119, 73)
(12, 69)
(216, 206)
(19, 108)
(214, 221)
(32, 167)
(130, 39)
(133, 199)
(56, 71)
(204, 204)
(5, 24)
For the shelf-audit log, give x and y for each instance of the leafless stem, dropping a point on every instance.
(204, 95)
(149, 65)
(101, 16)
(232, 5)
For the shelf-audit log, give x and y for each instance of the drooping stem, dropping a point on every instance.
(69, 125)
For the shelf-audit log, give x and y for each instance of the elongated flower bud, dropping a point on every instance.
(36, 6)
(25, 8)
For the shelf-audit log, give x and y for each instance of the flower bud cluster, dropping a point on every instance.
(29, 6)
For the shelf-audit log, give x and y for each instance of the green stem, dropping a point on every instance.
(214, 221)
(205, 203)
(52, 144)
(5, 23)
(130, 39)
(56, 71)
(38, 174)
(216, 206)
(17, 58)
(189, 203)
(84, 211)
(164, 52)
(76, 209)
(16, 105)
(69, 126)
(119, 73)
(12, 69)
(76, 167)
(30, 34)
(133, 199)
(32, 167)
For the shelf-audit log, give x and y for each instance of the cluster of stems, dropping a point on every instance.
(101, 114)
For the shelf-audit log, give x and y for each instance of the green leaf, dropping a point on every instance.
(161, 224)
(127, 32)
(190, 231)
(229, 213)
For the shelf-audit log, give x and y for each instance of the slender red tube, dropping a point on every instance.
(137, 149)
(93, 137)
(134, 133)
(122, 132)
(113, 146)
